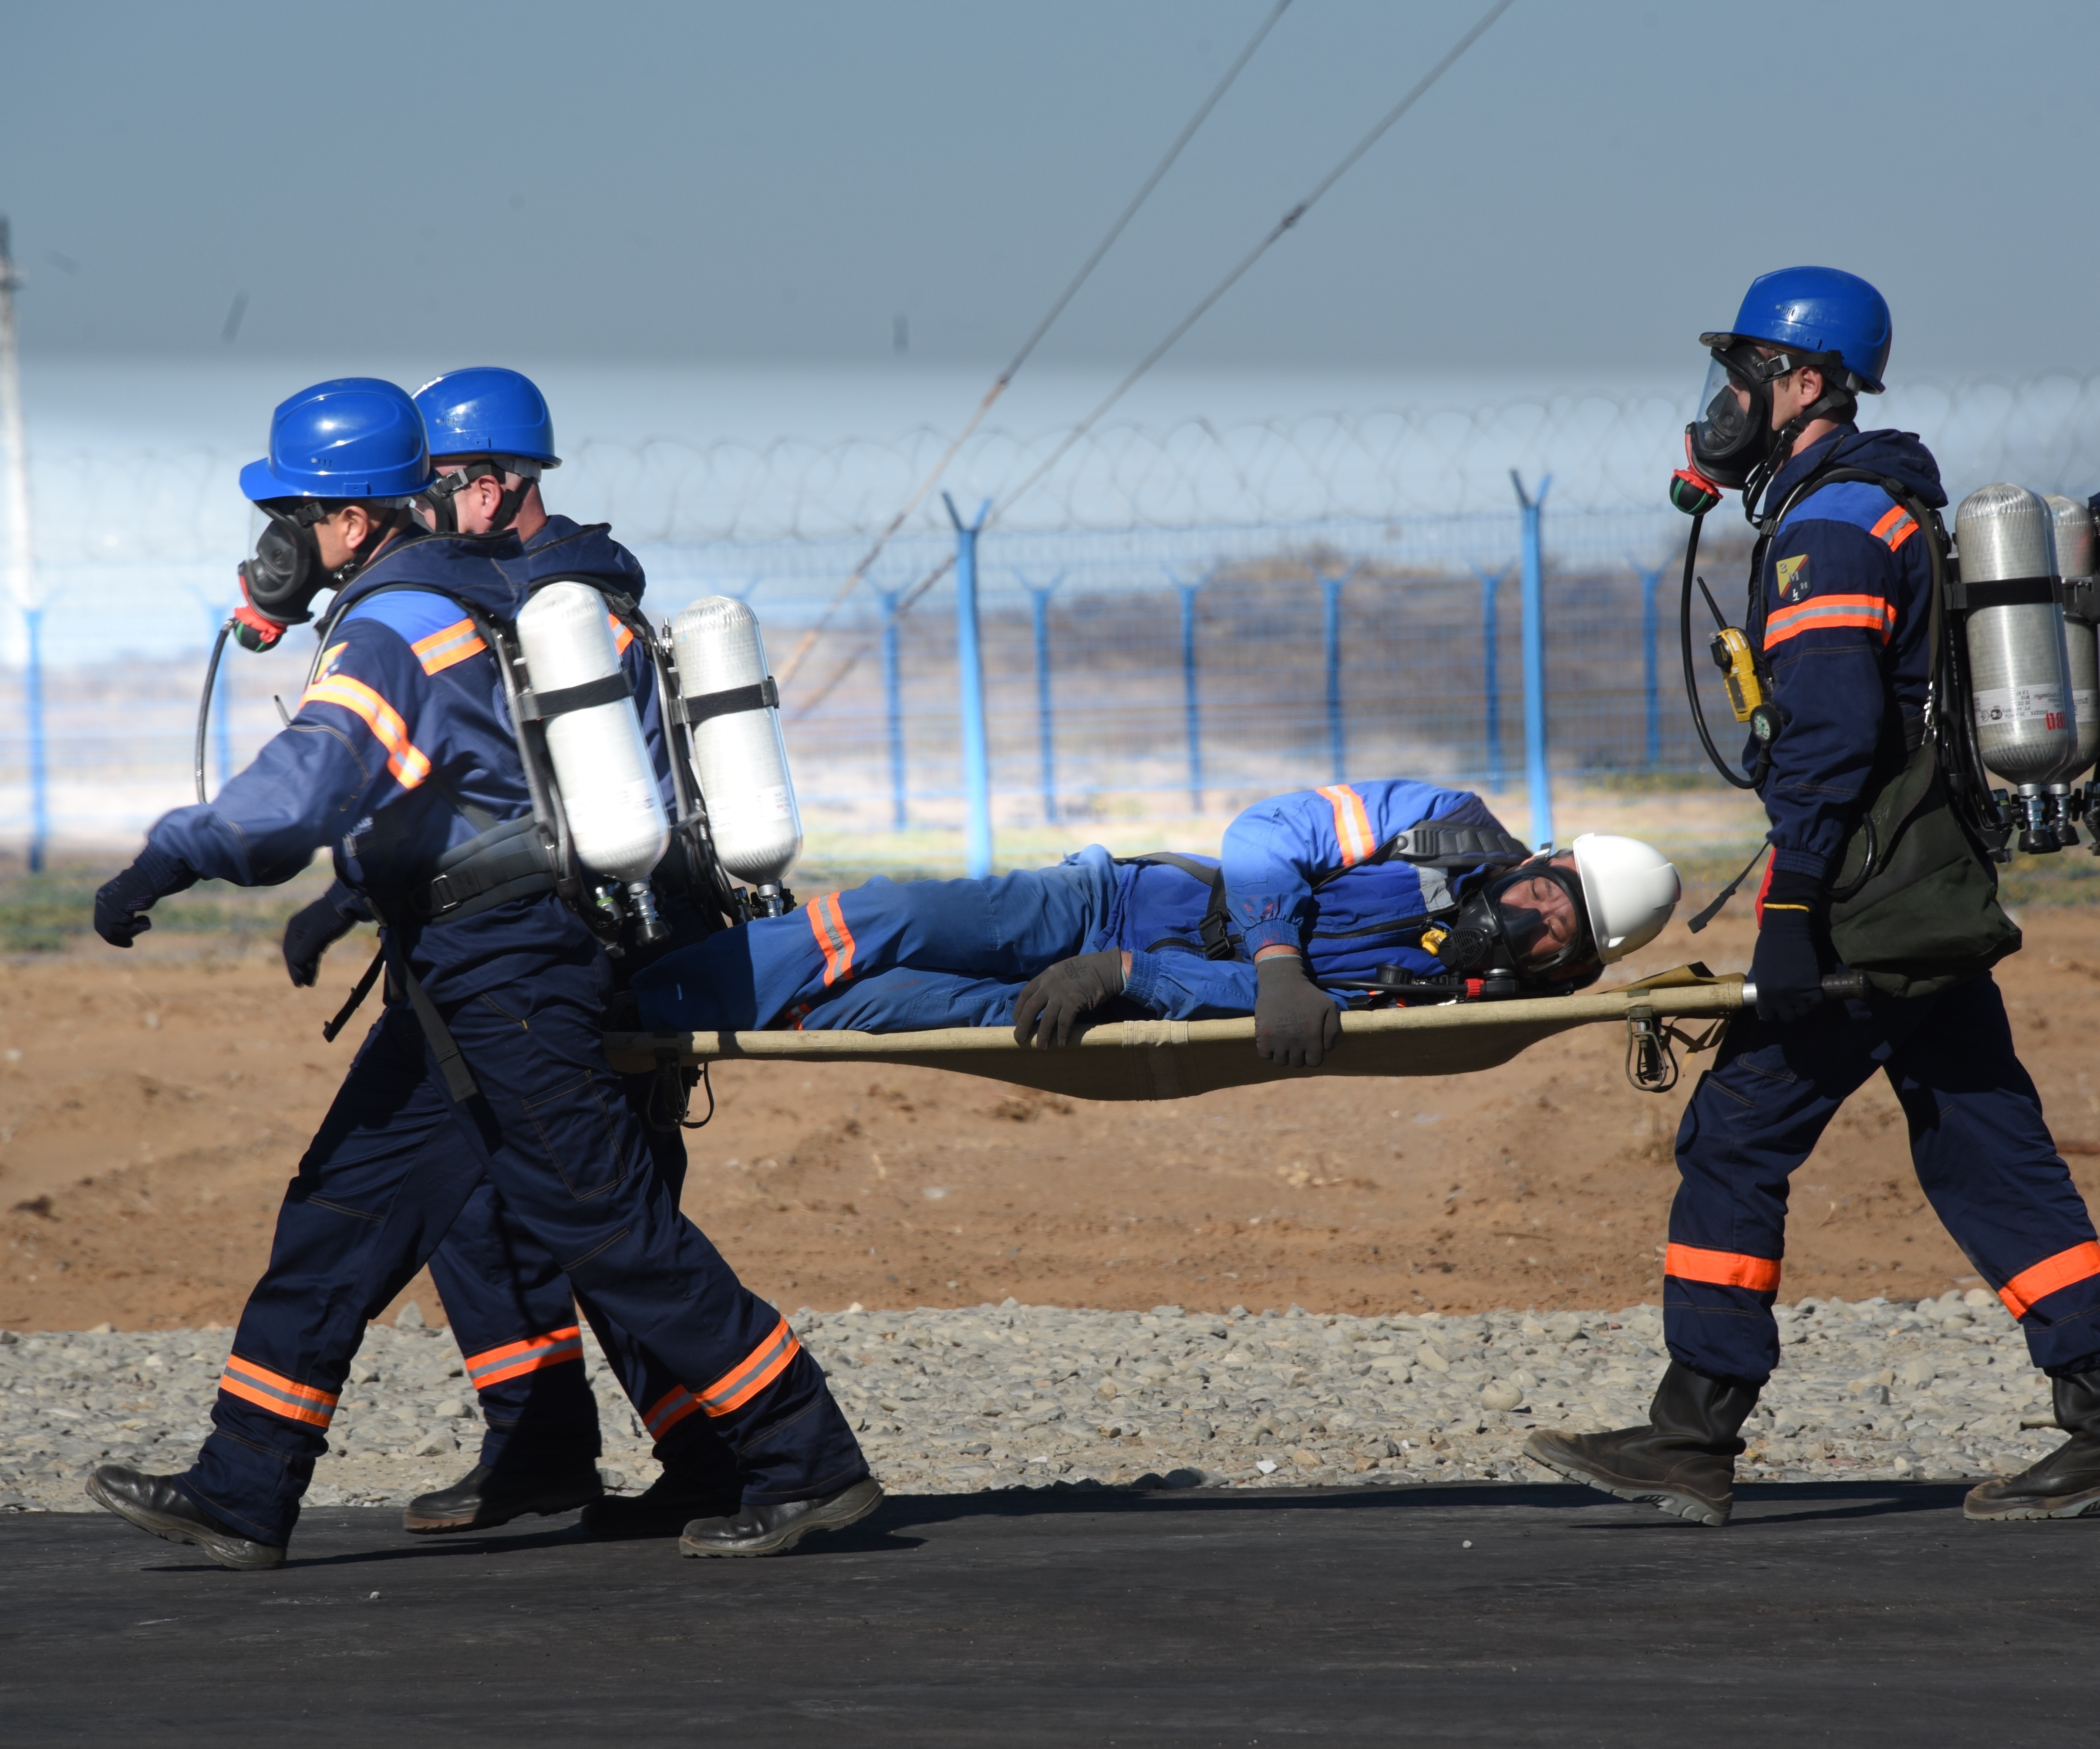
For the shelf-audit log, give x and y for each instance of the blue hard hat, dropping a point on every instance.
(1816, 309)
(351, 437)
(488, 411)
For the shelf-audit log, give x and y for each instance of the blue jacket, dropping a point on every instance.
(1298, 872)
(404, 722)
(1845, 595)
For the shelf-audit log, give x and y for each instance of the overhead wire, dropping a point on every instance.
(1056, 309)
(1290, 217)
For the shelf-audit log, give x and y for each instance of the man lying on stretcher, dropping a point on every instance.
(1337, 882)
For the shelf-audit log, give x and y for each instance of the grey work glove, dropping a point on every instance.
(1057, 1000)
(1295, 1021)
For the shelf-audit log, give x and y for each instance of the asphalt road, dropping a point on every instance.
(1841, 1613)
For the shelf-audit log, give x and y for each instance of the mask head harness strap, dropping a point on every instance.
(286, 572)
(439, 493)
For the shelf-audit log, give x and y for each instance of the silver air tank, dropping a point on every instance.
(2018, 672)
(739, 755)
(2074, 546)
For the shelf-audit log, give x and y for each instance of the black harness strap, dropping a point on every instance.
(1215, 930)
(732, 701)
(334, 1028)
(608, 689)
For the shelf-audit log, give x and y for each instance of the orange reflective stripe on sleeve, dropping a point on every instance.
(1897, 527)
(1721, 1269)
(621, 636)
(279, 1395)
(454, 643)
(1352, 825)
(752, 1374)
(668, 1411)
(2052, 1274)
(828, 923)
(514, 1360)
(405, 759)
(1822, 613)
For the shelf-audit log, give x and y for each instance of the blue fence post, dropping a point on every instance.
(1192, 713)
(1538, 776)
(892, 705)
(1330, 595)
(969, 665)
(1039, 615)
(40, 811)
(1651, 679)
(1491, 669)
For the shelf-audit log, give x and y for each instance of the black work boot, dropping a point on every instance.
(670, 1502)
(2066, 1484)
(775, 1530)
(484, 1497)
(155, 1504)
(1683, 1461)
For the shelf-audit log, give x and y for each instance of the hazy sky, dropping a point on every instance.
(778, 182)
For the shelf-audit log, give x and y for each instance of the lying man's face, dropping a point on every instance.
(1538, 916)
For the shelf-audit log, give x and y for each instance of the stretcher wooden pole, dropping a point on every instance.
(1173, 1059)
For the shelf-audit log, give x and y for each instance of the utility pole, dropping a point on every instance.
(21, 551)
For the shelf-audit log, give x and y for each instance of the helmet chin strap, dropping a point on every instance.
(1782, 449)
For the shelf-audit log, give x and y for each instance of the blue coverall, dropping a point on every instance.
(1300, 869)
(403, 722)
(1847, 616)
(511, 1309)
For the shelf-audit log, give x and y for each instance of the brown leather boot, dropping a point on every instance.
(2066, 1484)
(1683, 1461)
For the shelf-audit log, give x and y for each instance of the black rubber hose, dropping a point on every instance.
(204, 704)
(1691, 672)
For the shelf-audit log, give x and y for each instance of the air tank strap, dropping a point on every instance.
(732, 701)
(1215, 930)
(608, 689)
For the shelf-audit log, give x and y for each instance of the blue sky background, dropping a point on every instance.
(773, 185)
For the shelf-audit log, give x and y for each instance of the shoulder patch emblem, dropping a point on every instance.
(1793, 578)
(329, 657)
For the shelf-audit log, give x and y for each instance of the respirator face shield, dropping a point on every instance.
(286, 572)
(1531, 924)
(1733, 432)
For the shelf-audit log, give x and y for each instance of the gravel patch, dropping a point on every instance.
(1014, 1395)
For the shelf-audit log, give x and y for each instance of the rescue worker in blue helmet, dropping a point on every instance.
(510, 1306)
(1842, 617)
(487, 1062)
(1316, 893)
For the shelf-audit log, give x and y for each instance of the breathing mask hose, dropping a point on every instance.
(1690, 670)
(204, 703)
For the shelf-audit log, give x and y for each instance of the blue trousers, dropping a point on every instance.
(515, 1315)
(395, 1163)
(1982, 1150)
(974, 943)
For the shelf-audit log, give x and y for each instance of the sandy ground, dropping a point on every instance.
(153, 1105)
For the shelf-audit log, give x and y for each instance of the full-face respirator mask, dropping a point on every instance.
(1503, 937)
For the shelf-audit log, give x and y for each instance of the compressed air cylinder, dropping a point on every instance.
(2075, 557)
(739, 757)
(609, 792)
(2018, 670)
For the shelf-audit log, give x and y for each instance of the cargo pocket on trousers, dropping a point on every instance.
(575, 1130)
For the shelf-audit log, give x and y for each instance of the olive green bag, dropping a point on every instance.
(1915, 905)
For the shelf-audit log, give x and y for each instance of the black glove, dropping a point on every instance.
(1295, 1021)
(1058, 999)
(120, 905)
(312, 932)
(1787, 967)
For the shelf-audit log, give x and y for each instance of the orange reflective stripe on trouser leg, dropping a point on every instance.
(668, 1411)
(828, 923)
(279, 1395)
(1721, 1269)
(752, 1374)
(2065, 1269)
(513, 1360)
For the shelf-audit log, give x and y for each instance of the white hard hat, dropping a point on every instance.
(1630, 890)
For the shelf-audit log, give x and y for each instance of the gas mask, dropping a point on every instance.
(281, 580)
(1732, 444)
(1501, 935)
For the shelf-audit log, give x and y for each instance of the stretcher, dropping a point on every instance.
(1176, 1059)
